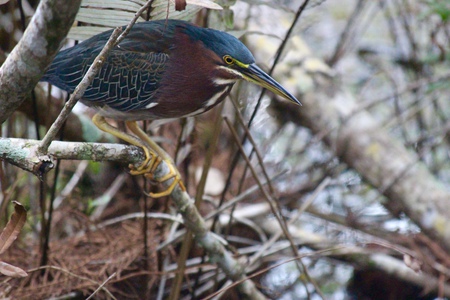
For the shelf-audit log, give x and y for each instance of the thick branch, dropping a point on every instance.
(361, 257)
(25, 154)
(358, 140)
(27, 62)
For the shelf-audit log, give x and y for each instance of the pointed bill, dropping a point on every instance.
(255, 74)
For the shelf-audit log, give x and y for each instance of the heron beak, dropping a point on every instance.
(254, 74)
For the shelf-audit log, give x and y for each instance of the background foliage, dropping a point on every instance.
(385, 62)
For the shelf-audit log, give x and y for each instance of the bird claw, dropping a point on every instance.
(154, 155)
(148, 167)
(169, 190)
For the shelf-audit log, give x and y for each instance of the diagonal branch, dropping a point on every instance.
(27, 62)
(116, 37)
(359, 140)
(25, 154)
(80, 90)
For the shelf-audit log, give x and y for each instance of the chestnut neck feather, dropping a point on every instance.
(192, 69)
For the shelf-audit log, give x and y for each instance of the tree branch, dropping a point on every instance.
(116, 37)
(360, 256)
(36, 49)
(80, 89)
(358, 140)
(25, 154)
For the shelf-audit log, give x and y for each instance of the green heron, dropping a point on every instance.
(162, 69)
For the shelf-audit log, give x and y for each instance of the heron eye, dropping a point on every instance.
(228, 59)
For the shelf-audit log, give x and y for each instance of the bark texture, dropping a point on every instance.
(361, 142)
(27, 62)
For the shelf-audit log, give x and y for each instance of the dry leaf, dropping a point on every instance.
(180, 5)
(205, 3)
(12, 271)
(413, 263)
(14, 226)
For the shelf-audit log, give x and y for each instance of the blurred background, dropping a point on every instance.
(359, 175)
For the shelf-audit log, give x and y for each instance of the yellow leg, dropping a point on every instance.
(133, 126)
(101, 123)
(172, 174)
(162, 155)
(153, 154)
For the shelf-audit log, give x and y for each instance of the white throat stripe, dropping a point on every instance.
(215, 98)
(222, 81)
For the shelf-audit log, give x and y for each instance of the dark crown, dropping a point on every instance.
(221, 43)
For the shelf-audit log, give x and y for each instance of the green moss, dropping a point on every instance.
(13, 152)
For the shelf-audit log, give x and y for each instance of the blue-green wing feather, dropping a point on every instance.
(129, 78)
(127, 81)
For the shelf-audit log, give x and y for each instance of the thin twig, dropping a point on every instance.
(102, 285)
(275, 209)
(255, 147)
(73, 275)
(102, 202)
(277, 58)
(134, 20)
(299, 257)
(79, 91)
(276, 236)
(139, 215)
(116, 37)
(71, 185)
(258, 104)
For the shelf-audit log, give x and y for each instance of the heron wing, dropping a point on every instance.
(127, 81)
(129, 78)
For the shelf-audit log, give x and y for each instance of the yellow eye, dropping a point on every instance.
(228, 59)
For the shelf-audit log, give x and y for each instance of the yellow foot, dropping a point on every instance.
(154, 154)
(172, 174)
(148, 167)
